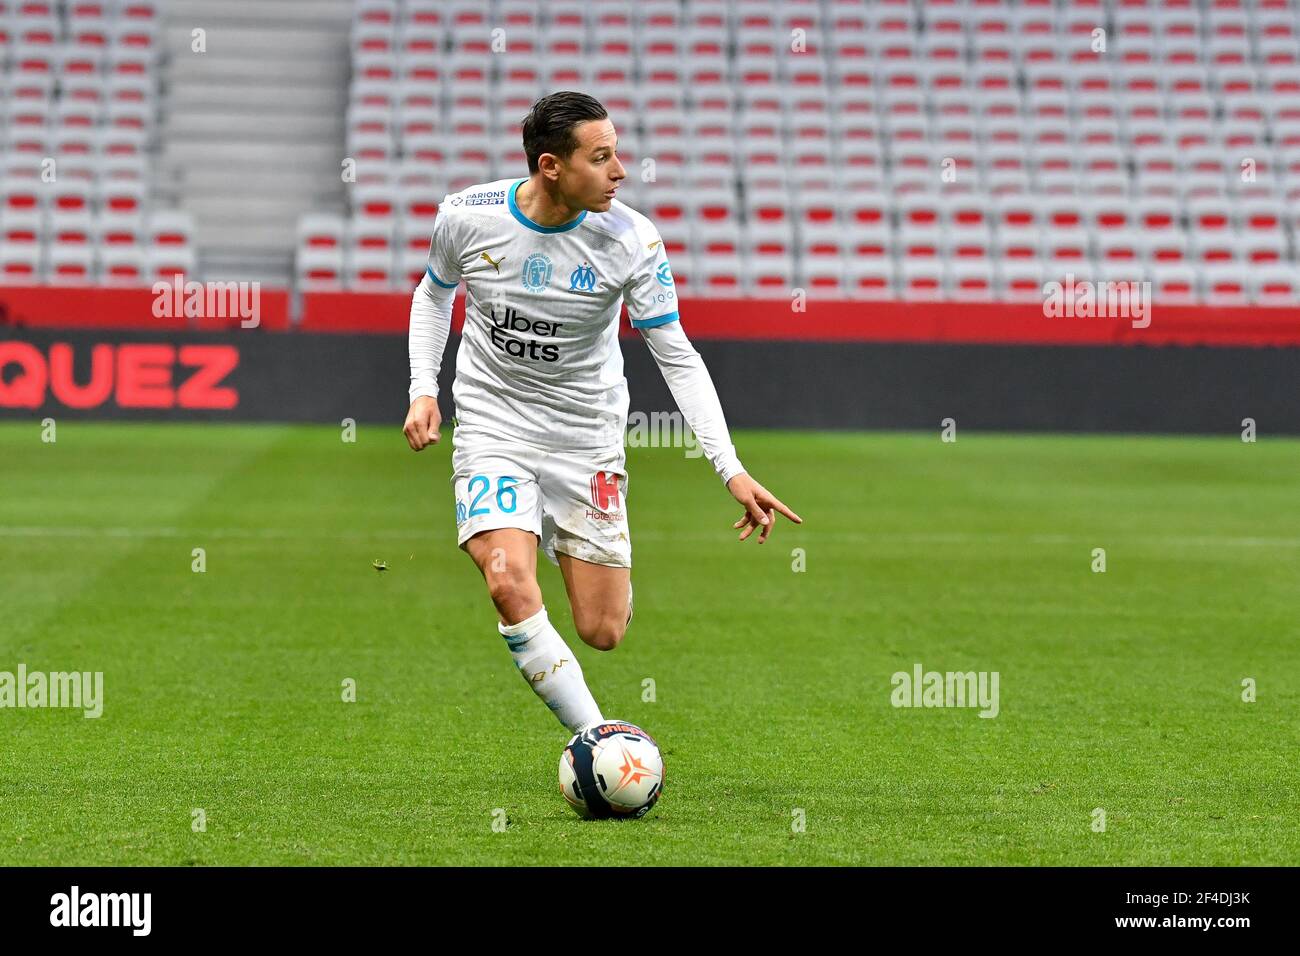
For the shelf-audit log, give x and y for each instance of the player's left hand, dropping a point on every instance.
(761, 507)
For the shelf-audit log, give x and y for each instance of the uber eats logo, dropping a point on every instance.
(509, 320)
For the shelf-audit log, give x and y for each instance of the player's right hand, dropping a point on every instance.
(422, 423)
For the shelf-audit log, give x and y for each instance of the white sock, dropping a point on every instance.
(551, 670)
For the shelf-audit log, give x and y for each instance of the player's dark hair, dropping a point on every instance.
(549, 125)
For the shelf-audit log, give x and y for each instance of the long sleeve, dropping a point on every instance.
(692, 387)
(427, 338)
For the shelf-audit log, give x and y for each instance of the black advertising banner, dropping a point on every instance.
(230, 376)
(305, 377)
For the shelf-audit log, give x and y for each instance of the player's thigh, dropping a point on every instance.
(596, 589)
(499, 519)
(598, 595)
(501, 552)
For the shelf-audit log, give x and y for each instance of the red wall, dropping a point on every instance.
(727, 319)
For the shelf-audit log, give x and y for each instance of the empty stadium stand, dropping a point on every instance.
(79, 111)
(252, 135)
(914, 150)
(905, 149)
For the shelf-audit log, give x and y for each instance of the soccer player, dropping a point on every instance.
(541, 401)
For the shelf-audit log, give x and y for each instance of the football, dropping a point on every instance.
(611, 770)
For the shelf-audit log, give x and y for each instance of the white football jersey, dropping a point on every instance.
(539, 359)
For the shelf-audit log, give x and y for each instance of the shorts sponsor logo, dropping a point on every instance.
(604, 490)
(537, 272)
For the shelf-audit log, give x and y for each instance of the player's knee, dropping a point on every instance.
(604, 634)
(513, 592)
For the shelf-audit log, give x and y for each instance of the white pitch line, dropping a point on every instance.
(804, 534)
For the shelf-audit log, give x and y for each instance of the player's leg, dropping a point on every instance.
(507, 559)
(599, 596)
(498, 516)
(585, 532)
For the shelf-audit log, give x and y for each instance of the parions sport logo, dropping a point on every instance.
(492, 198)
(510, 320)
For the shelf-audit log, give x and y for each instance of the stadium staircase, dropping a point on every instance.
(252, 129)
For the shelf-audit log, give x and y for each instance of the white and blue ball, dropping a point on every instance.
(612, 770)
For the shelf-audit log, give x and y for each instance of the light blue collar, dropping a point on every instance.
(524, 220)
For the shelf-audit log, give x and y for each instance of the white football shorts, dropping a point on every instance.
(575, 502)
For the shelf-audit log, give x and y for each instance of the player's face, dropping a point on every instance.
(592, 172)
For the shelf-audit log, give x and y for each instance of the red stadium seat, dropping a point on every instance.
(871, 279)
(165, 263)
(123, 266)
(20, 264)
(170, 227)
(319, 269)
(921, 280)
(1274, 286)
(1019, 281)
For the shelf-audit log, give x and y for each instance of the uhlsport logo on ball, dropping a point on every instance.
(612, 770)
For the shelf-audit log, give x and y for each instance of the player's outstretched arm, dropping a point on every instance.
(693, 390)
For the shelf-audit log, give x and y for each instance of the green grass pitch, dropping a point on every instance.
(1119, 690)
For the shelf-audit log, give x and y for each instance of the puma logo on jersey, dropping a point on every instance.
(652, 245)
(495, 264)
